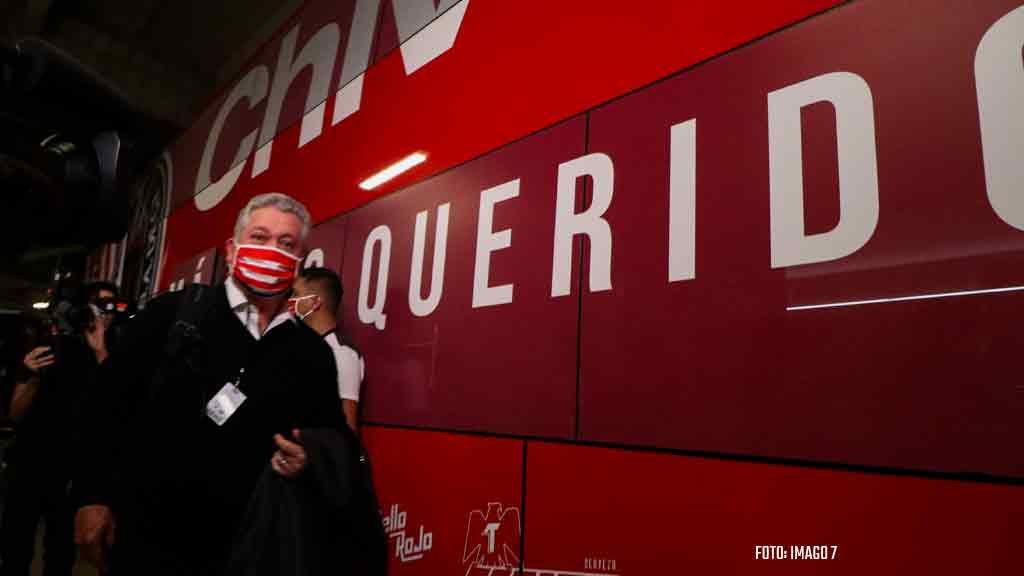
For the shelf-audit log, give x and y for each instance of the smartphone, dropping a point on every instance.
(51, 341)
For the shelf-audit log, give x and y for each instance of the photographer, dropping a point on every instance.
(43, 406)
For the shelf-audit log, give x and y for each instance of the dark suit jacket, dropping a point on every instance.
(325, 522)
(178, 483)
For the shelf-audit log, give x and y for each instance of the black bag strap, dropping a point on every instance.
(192, 308)
(185, 337)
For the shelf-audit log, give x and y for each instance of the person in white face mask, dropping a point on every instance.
(208, 389)
(316, 299)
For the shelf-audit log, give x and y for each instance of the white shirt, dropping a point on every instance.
(248, 314)
(351, 368)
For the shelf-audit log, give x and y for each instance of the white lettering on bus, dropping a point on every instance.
(999, 75)
(589, 223)
(488, 241)
(253, 89)
(426, 33)
(682, 203)
(858, 169)
(418, 305)
(375, 314)
(319, 54)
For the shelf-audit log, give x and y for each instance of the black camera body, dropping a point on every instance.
(73, 314)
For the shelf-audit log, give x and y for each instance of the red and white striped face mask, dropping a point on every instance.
(266, 270)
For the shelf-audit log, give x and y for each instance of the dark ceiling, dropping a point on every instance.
(166, 58)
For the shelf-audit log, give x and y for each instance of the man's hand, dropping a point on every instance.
(95, 529)
(38, 359)
(290, 458)
(96, 336)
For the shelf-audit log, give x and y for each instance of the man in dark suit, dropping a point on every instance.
(182, 432)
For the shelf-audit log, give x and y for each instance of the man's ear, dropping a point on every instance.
(229, 254)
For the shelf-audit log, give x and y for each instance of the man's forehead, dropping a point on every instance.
(274, 219)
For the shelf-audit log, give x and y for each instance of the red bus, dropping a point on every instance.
(654, 287)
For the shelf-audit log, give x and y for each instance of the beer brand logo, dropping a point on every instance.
(493, 536)
(408, 548)
(492, 539)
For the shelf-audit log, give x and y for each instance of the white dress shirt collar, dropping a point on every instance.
(248, 314)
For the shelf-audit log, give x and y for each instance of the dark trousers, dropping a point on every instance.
(34, 493)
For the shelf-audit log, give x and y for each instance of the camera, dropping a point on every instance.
(75, 309)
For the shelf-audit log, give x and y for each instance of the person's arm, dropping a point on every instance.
(96, 337)
(25, 390)
(350, 377)
(96, 469)
(321, 407)
(108, 410)
(22, 397)
(351, 410)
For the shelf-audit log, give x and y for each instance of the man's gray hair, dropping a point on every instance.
(282, 202)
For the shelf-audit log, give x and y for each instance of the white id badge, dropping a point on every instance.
(224, 404)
